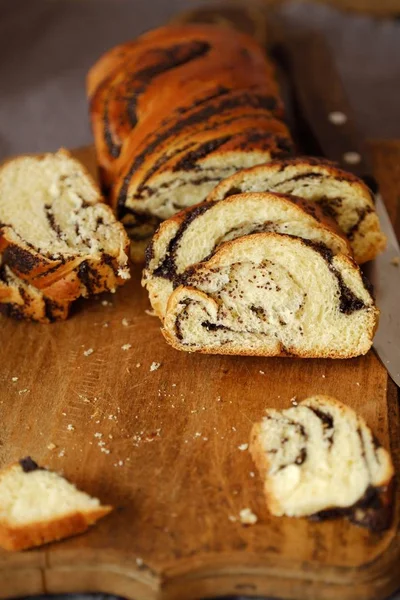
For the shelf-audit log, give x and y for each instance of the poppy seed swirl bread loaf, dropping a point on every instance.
(175, 112)
(56, 236)
(271, 294)
(193, 235)
(341, 195)
(320, 459)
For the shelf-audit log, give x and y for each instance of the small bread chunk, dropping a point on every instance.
(38, 506)
(194, 235)
(270, 294)
(341, 195)
(320, 459)
(56, 233)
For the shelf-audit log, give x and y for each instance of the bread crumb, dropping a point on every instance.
(358, 383)
(125, 322)
(247, 517)
(105, 324)
(323, 376)
(395, 261)
(294, 401)
(139, 561)
(14, 379)
(138, 365)
(205, 439)
(61, 453)
(98, 434)
(51, 446)
(24, 391)
(106, 303)
(126, 347)
(232, 518)
(105, 450)
(154, 366)
(243, 447)
(123, 273)
(88, 352)
(252, 474)
(352, 158)
(197, 434)
(337, 118)
(262, 372)
(151, 313)
(70, 427)
(174, 385)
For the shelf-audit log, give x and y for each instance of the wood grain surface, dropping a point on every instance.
(168, 456)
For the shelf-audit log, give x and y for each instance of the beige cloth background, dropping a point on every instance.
(47, 46)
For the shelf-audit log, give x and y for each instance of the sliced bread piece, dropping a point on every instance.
(55, 232)
(271, 294)
(340, 194)
(194, 234)
(321, 459)
(183, 171)
(38, 506)
(182, 162)
(21, 300)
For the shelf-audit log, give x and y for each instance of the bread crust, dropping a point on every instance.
(20, 300)
(37, 534)
(160, 72)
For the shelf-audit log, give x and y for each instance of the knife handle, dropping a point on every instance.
(323, 104)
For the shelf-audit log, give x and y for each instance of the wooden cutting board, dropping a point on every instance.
(168, 457)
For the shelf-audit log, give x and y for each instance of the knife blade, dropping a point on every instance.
(332, 132)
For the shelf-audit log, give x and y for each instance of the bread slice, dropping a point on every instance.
(182, 172)
(340, 194)
(319, 458)
(182, 162)
(271, 294)
(194, 234)
(55, 232)
(38, 506)
(21, 300)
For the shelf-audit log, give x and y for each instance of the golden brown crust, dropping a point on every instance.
(20, 300)
(36, 534)
(260, 459)
(162, 82)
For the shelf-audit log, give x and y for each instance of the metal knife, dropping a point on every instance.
(330, 130)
